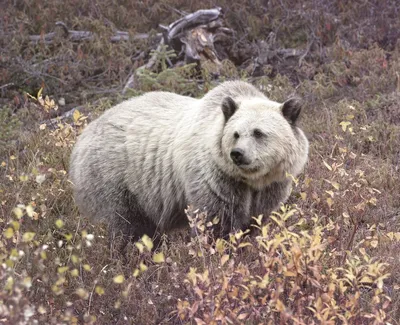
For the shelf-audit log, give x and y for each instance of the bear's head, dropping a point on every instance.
(261, 142)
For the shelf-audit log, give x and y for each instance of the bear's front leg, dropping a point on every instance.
(231, 204)
(269, 199)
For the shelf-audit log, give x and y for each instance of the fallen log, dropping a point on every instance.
(192, 37)
(79, 35)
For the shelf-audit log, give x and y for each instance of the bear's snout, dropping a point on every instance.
(238, 157)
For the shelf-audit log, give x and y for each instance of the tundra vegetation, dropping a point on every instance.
(330, 255)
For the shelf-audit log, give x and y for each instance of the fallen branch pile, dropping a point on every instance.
(192, 39)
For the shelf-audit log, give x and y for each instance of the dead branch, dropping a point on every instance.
(192, 37)
(7, 85)
(153, 58)
(267, 51)
(195, 35)
(79, 36)
(288, 53)
(200, 17)
(53, 122)
(130, 84)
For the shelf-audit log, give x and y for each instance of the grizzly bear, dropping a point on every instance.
(140, 164)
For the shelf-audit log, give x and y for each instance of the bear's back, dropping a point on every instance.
(126, 148)
(151, 138)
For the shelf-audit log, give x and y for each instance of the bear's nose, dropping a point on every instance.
(237, 156)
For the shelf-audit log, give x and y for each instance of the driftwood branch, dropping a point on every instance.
(267, 51)
(200, 17)
(53, 122)
(79, 36)
(192, 37)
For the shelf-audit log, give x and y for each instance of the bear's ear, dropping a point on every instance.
(229, 107)
(291, 110)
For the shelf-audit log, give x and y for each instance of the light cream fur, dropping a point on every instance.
(143, 161)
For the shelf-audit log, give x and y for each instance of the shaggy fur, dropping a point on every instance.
(142, 162)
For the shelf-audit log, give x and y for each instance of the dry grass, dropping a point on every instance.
(330, 256)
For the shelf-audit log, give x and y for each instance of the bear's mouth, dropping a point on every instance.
(246, 169)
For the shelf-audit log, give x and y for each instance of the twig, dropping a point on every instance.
(7, 85)
(353, 234)
(131, 79)
(3, 88)
(130, 83)
(73, 240)
(302, 57)
(94, 286)
(33, 71)
(68, 114)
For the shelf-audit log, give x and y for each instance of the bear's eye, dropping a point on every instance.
(258, 134)
(236, 135)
